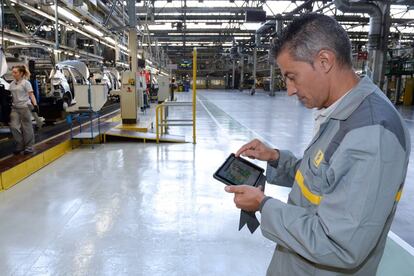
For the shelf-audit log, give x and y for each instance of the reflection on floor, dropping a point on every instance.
(147, 209)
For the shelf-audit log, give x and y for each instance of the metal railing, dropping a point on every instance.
(161, 120)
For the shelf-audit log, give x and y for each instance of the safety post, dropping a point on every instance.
(194, 92)
(161, 121)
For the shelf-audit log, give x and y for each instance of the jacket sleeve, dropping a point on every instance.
(282, 171)
(365, 175)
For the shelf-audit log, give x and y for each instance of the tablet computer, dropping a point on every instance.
(238, 171)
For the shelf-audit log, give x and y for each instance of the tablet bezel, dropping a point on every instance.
(230, 159)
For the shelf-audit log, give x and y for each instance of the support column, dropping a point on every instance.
(117, 51)
(272, 80)
(2, 24)
(384, 43)
(57, 51)
(63, 36)
(253, 90)
(129, 94)
(233, 79)
(72, 39)
(241, 73)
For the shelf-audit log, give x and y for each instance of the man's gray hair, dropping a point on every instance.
(307, 35)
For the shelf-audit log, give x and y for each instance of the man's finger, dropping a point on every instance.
(233, 189)
(250, 145)
(243, 149)
(252, 154)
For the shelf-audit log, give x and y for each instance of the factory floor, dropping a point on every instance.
(126, 208)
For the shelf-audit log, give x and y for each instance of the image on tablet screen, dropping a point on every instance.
(240, 173)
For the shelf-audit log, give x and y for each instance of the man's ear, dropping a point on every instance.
(325, 60)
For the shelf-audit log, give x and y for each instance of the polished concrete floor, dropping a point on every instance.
(126, 208)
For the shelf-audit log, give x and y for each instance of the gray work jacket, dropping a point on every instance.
(344, 193)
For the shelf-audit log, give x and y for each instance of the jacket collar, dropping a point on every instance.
(353, 99)
(348, 104)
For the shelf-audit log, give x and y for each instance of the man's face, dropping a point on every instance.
(307, 82)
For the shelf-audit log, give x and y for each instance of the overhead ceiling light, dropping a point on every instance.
(93, 30)
(67, 14)
(20, 42)
(122, 47)
(110, 40)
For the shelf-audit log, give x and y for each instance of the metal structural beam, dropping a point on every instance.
(287, 18)
(195, 38)
(203, 10)
(17, 15)
(203, 31)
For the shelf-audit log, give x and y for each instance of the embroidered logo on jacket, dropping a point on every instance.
(318, 158)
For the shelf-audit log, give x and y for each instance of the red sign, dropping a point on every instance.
(362, 55)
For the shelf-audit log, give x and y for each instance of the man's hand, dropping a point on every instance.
(246, 197)
(258, 150)
(36, 109)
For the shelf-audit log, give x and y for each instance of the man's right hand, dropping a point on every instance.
(258, 150)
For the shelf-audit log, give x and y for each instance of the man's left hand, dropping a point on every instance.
(246, 197)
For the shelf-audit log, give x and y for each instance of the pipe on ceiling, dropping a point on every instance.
(375, 21)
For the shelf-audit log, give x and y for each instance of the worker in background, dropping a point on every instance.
(23, 102)
(346, 187)
(173, 86)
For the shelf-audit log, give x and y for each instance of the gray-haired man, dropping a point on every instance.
(346, 187)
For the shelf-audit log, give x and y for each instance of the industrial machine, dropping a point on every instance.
(64, 77)
(71, 82)
(129, 98)
(399, 71)
(116, 78)
(5, 95)
(89, 97)
(42, 57)
(38, 59)
(154, 87)
(142, 90)
(163, 88)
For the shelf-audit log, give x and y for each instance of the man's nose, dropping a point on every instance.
(291, 89)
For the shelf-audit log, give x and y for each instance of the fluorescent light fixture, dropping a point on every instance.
(122, 63)
(122, 47)
(148, 61)
(93, 30)
(67, 14)
(110, 40)
(20, 42)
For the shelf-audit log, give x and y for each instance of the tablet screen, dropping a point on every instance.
(239, 173)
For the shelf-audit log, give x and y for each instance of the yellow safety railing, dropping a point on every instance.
(161, 121)
(194, 93)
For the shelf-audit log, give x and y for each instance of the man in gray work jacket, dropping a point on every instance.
(346, 187)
